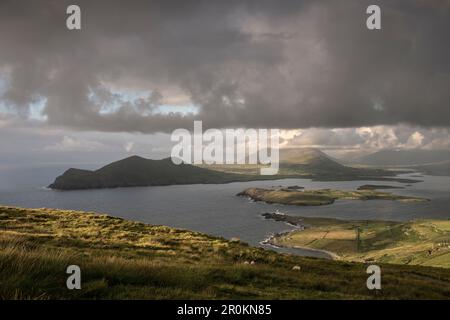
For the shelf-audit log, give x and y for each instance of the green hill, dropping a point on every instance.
(308, 156)
(121, 259)
(314, 162)
(311, 163)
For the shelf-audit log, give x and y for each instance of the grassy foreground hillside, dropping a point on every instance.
(417, 242)
(121, 259)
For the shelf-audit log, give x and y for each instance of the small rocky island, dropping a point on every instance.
(377, 186)
(320, 197)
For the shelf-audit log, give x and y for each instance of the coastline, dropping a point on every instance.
(269, 241)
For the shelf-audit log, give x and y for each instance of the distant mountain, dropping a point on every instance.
(311, 159)
(308, 157)
(137, 171)
(314, 164)
(434, 169)
(404, 157)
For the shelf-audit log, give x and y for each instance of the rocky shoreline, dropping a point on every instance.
(297, 223)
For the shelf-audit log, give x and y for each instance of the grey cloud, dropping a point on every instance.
(32, 143)
(373, 138)
(286, 64)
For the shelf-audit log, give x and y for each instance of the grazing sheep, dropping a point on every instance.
(298, 268)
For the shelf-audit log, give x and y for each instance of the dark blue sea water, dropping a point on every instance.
(215, 209)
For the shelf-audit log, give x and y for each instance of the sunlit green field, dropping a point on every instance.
(419, 242)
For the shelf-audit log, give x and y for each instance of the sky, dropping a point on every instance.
(137, 70)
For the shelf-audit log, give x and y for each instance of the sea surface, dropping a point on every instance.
(214, 208)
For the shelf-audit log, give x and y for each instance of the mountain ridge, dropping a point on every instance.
(391, 157)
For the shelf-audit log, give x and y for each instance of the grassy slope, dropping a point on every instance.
(123, 259)
(320, 196)
(383, 241)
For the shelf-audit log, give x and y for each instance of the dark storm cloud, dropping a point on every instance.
(287, 64)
